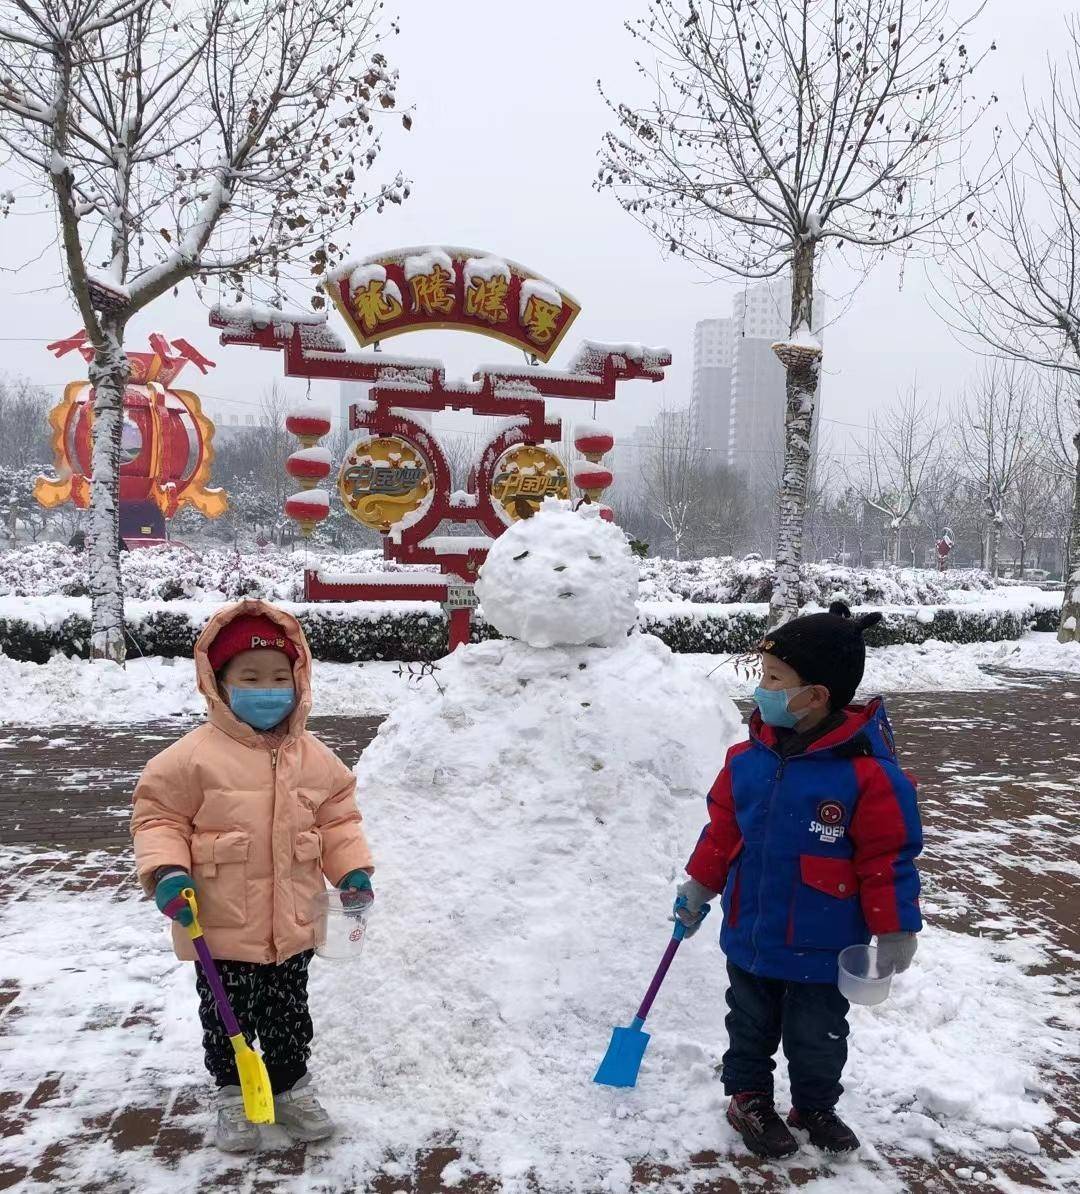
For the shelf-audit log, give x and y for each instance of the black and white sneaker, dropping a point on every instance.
(752, 1114)
(826, 1129)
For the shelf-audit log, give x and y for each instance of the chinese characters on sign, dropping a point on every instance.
(412, 289)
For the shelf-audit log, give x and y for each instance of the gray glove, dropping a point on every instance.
(691, 904)
(895, 950)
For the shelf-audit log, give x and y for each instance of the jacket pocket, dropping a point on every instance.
(825, 913)
(307, 875)
(219, 867)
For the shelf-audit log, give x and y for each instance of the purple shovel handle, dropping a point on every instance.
(214, 979)
(661, 972)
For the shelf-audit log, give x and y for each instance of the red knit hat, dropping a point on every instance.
(250, 633)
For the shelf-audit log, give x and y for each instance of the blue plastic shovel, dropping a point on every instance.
(623, 1058)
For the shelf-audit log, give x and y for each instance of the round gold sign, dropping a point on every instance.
(382, 480)
(524, 476)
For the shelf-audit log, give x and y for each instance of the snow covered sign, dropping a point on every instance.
(410, 290)
(396, 477)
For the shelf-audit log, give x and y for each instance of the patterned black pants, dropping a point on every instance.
(270, 1002)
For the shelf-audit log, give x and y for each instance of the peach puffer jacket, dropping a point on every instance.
(258, 820)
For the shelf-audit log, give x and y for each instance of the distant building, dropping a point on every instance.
(762, 316)
(737, 394)
(710, 388)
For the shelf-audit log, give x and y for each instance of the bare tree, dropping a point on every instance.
(778, 126)
(1018, 285)
(223, 143)
(899, 448)
(1026, 511)
(1058, 425)
(996, 441)
(671, 472)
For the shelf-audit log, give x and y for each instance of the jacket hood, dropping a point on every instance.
(219, 712)
(865, 730)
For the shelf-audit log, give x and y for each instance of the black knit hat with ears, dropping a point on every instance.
(825, 649)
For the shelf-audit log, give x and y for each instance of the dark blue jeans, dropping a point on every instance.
(810, 1019)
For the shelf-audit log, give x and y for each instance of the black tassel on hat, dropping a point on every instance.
(826, 649)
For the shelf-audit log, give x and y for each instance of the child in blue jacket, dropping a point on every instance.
(812, 836)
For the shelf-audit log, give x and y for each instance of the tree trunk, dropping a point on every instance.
(1069, 629)
(798, 432)
(994, 539)
(109, 373)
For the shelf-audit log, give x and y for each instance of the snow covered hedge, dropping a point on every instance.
(35, 629)
(175, 574)
(723, 580)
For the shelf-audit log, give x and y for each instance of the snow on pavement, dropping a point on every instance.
(949, 1062)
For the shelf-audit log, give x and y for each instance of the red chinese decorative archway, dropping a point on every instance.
(415, 289)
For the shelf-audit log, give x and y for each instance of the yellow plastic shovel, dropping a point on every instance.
(254, 1080)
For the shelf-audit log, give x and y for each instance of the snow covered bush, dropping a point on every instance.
(175, 573)
(724, 579)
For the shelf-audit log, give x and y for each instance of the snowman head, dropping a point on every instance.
(560, 578)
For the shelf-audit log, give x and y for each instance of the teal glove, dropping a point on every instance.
(169, 889)
(356, 890)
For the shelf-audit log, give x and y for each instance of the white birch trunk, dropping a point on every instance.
(1069, 629)
(798, 432)
(109, 373)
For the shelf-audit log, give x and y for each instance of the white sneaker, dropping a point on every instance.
(301, 1114)
(235, 1133)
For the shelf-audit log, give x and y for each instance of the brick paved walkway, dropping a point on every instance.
(999, 790)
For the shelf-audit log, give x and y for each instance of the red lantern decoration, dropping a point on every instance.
(607, 514)
(592, 480)
(593, 441)
(308, 508)
(309, 466)
(166, 448)
(309, 424)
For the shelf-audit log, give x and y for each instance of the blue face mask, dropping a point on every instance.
(262, 708)
(772, 704)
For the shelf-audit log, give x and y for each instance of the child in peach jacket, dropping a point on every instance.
(252, 811)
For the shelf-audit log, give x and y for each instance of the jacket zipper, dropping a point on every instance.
(764, 845)
(273, 806)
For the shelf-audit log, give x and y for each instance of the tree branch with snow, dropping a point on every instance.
(225, 146)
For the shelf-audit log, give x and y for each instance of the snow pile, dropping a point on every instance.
(80, 692)
(545, 800)
(560, 578)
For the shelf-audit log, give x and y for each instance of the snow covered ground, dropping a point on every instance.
(72, 691)
(492, 976)
(922, 1074)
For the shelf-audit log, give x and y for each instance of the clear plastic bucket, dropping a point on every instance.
(859, 978)
(341, 919)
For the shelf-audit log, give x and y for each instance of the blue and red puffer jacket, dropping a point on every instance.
(812, 852)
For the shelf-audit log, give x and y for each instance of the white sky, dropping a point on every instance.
(502, 156)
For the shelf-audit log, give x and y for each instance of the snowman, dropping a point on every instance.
(530, 812)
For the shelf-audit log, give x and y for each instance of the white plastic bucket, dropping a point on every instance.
(341, 919)
(859, 977)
